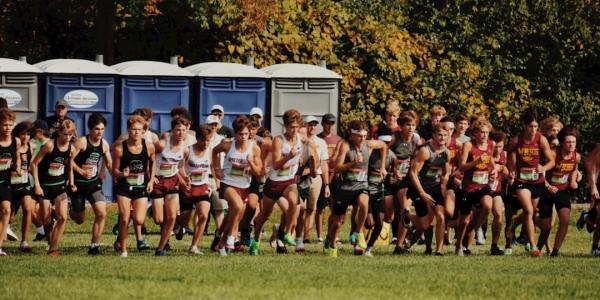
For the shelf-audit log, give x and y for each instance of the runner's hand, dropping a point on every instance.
(594, 193)
(428, 199)
(39, 191)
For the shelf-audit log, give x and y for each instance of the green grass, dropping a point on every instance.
(312, 275)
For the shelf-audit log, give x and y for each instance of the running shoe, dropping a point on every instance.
(300, 246)
(596, 252)
(25, 248)
(230, 243)
(273, 237)
(358, 250)
(393, 240)
(179, 232)
(326, 244)
(333, 252)
(123, 254)
(239, 247)
(281, 249)
(245, 237)
(117, 246)
(11, 235)
(467, 251)
(554, 253)
(320, 240)
(195, 250)
(480, 240)
(437, 253)
(406, 219)
(368, 252)
(459, 251)
(495, 251)
(39, 237)
(115, 229)
(223, 252)
(94, 250)
(535, 252)
(188, 231)
(582, 219)
(288, 239)
(53, 253)
(142, 245)
(214, 246)
(360, 240)
(522, 239)
(254, 246)
(352, 238)
(2, 253)
(428, 251)
(160, 253)
(508, 251)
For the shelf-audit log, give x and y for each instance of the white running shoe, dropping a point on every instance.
(123, 254)
(300, 245)
(368, 252)
(10, 235)
(596, 252)
(2, 253)
(222, 252)
(273, 238)
(195, 250)
(459, 251)
(480, 237)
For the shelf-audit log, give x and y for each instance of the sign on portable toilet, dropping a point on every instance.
(312, 90)
(19, 86)
(87, 87)
(157, 85)
(236, 87)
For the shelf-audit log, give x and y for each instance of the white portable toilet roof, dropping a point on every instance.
(299, 71)
(222, 69)
(8, 65)
(74, 66)
(150, 68)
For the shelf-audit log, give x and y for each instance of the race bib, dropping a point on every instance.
(494, 185)
(15, 178)
(358, 175)
(5, 164)
(375, 179)
(434, 172)
(558, 179)
(284, 172)
(92, 168)
(481, 177)
(403, 168)
(529, 174)
(56, 169)
(135, 179)
(237, 171)
(198, 177)
(167, 169)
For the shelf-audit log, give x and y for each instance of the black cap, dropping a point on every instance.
(330, 118)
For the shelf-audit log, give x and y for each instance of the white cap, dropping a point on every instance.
(256, 111)
(309, 119)
(217, 107)
(385, 138)
(212, 119)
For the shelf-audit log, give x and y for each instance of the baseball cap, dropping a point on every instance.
(217, 107)
(309, 119)
(328, 118)
(256, 111)
(62, 102)
(212, 119)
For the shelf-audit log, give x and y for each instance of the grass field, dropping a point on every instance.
(293, 276)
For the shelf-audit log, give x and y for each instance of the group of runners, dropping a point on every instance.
(443, 181)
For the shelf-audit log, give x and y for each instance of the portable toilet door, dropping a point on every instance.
(88, 87)
(157, 85)
(236, 87)
(312, 90)
(19, 86)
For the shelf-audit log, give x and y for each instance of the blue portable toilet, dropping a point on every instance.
(236, 87)
(88, 87)
(19, 86)
(160, 86)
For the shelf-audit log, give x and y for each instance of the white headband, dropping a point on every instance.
(359, 132)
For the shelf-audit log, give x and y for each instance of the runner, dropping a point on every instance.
(380, 193)
(353, 163)
(134, 171)
(559, 187)
(84, 179)
(328, 124)
(454, 187)
(242, 160)
(39, 139)
(197, 190)
(478, 164)
(436, 113)
(50, 170)
(404, 144)
(429, 173)
(390, 125)
(281, 181)
(592, 165)
(170, 169)
(526, 153)
(9, 161)
(22, 186)
(462, 126)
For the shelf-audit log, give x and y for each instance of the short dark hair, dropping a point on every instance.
(23, 127)
(240, 123)
(3, 103)
(529, 116)
(567, 131)
(95, 119)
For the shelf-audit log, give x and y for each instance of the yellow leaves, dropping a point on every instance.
(230, 49)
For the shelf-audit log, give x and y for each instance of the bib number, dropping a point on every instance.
(16, 179)
(528, 174)
(198, 177)
(238, 171)
(135, 179)
(557, 179)
(358, 175)
(434, 172)
(167, 170)
(56, 169)
(481, 177)
(92, 168)
(5, 164)
(375, 179)
(403, 168)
